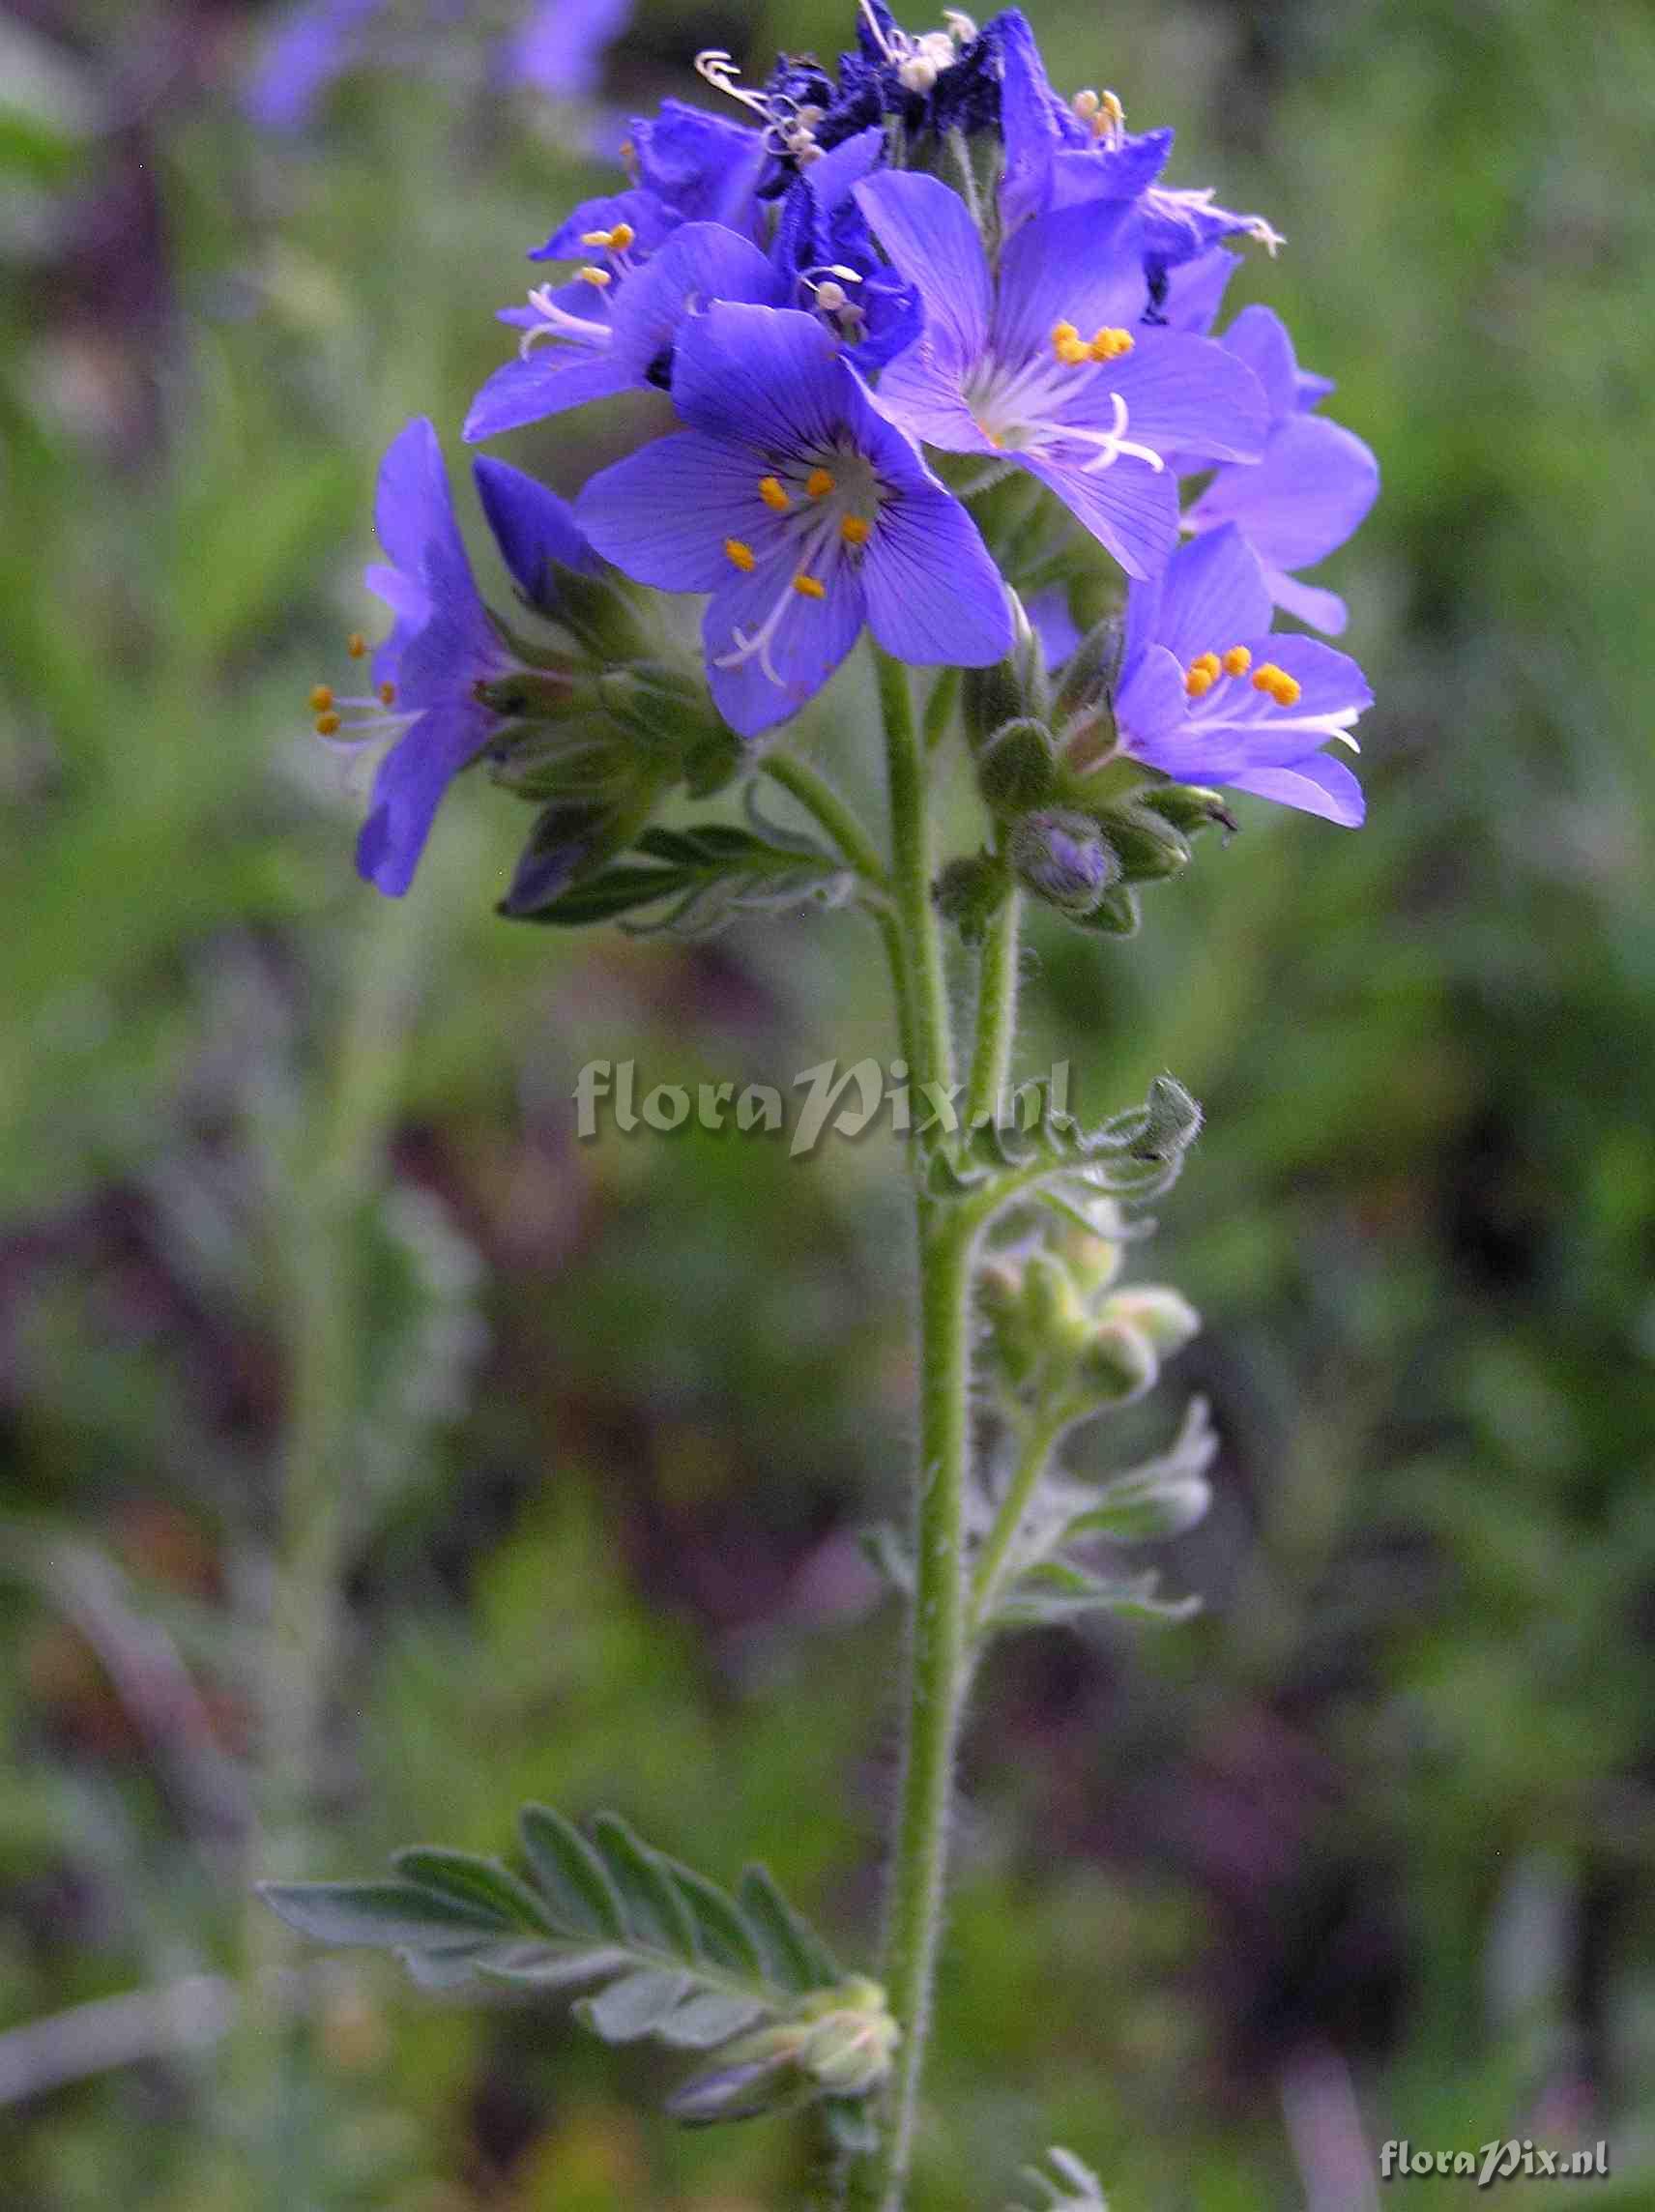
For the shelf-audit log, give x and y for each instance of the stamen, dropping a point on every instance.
(1237, 660)
(558, 322)
(388, 694)
(356, 645)
(1112, 444)
(961, 29)
(616, 241)
(719, 69)
(1109, 121)
(1268, 236)
(809, 588)
(819, 483)
(327, 723)
(855, 530)
(1209, 662)
(1276, 683)
(874, 31)
(740, 555)
(772, 494)
(321, 699)
(599, 279)
(1110, 344)
(1069, 345)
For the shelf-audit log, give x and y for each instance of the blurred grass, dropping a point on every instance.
(608, 1416)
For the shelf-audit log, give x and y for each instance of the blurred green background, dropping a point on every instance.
(550, 1457)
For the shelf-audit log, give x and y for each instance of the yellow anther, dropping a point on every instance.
(327, 723)
(1199, 682)
(809, 588)
(356, 645)
(1237, 660)
(615, 241)
(388, 694)
(819, 483)
(1086, 104)
(1110, 344)
(1062, 333)
(855, 530)
(1210, 663)
(738, 555)
(598, 279)
(321, 699)
(1276, 683)
(771, 492)
(1068, 344)
(1109, 120)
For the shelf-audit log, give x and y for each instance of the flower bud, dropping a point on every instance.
(1146, 844)
(1164, 1317)
(970, 893)
(600, 609)
(1017, 767)
(1063, 858)
(848, 2051)
(1090, 676)
(1094, 1261)
(1118, 1363)
(1187, 806)
(1051, 1302)
(1011, 690)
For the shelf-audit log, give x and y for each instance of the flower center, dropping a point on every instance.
(821, 511)
(1020, 406)
(1209, 668)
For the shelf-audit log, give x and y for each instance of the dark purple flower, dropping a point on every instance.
(705, 167)
(824, 245)
(1050, 367)
(802, 511)
(444, 644)
(1207, 695)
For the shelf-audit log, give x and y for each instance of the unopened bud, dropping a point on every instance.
(1051, 1302)
(1118, 1363)
(1010, 691)
(970, 893)
(1017, 767)
(1187, 806)
(1165, 1316)
(1063, 858)
(848, 2051)
(1148, 844)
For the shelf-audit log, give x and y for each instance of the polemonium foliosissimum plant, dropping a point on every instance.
(954, 389)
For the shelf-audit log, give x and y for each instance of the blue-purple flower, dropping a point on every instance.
(1051, 367)
(614, 328)
(802, 511)
(824, 245)
(1208, 697)
(443, 646)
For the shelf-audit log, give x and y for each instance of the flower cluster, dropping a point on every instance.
(897, 308)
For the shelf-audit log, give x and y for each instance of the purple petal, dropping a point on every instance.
(808, 643)
(1182, 395)
(1066, 268)
(1304, 498)
(699, 264)
(1196, 289)
(1318, 785)
(535, 531)
(408, 790)
(767, 378)
(1259, 338)
(705, 167)
(644, 214)
(1130, 510)
(1308, 602)
(929, 236)
(933, 593)
(663, 515)
(1212, 594)
(549, 380)
(1152, 706)
(922, 390)
(1101, 173)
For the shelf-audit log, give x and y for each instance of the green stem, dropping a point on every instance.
(996, 1012)
(939, 706)
(1046, 1425)
(938, 1655)
(823, 803)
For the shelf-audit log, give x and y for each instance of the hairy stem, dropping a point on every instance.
(1039, 1440)
(996, 1012)
(938, 1657)
(831, 813)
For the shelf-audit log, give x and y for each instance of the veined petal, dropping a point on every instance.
(1130, 510)
(1084, 176)
(1196, 289)
(1212, 594)
(534, 530)
(552, 378)
(414, 514)
(644, 214)
(933, 593)
(1183, 395)
(663, 515)
(1151, 703)
(927, 232)
(767, 378)
(1313, 486)
(1070, 267)
(699, 264)
(1318, 785)
(409, 788)
(803, 647)
(922, 391)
